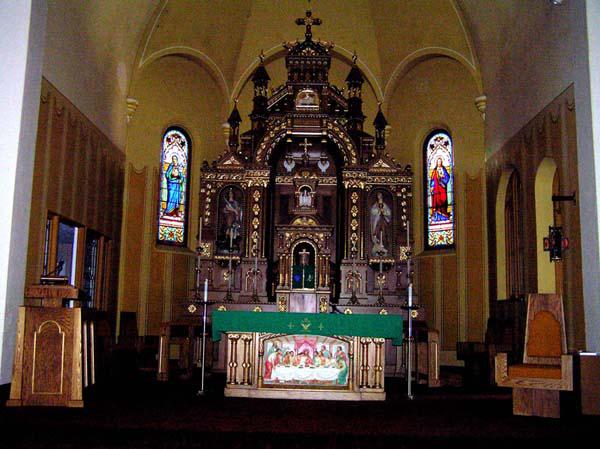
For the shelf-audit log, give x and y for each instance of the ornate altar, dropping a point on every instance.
(306, 210)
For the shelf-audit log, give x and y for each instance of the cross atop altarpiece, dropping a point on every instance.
(308, 21)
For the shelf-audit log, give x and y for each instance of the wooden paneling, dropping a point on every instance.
(552, 133)
(72, 172)
(450, 297)
(475, 269)
(134, 236)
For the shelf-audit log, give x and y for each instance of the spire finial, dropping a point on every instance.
(262, 56)
(354, 57)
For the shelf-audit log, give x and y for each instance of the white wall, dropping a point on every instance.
(587, 103)
(22, 29)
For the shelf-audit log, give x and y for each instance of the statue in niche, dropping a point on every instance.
(381, 219)
(323, 163)
(231, 219)
(305, 197)
(289, 163)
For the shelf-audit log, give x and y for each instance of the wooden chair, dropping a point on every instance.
(546, 368)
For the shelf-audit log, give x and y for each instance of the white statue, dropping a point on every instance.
(305, 199)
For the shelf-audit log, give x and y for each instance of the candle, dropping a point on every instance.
(410, 298)
(408, 233)
(206, 290)
(255, 259)
(200, 231)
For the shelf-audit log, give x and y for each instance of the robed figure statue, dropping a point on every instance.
(381, 219)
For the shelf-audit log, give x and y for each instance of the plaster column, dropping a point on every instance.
(22, 34)
(587, 101)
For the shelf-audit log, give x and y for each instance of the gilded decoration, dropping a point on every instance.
(282, 304)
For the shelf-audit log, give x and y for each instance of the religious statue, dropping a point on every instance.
(381, 218)
(289, 163)
(323, 163)
(305, 198)
(232, 213)
(438, 186)
(175, 179)
(303, 271)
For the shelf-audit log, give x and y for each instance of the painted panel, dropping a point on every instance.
(305, 361)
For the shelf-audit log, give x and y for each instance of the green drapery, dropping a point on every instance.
(355, 325)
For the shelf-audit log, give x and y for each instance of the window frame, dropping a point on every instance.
(425, 173)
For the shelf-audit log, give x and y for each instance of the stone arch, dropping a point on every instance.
(544, 217)
(425, 54)
(201, 58)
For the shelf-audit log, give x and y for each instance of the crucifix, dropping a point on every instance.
(304, 262)
(308, 21)
(305, 155)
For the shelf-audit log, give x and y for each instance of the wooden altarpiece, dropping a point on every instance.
(306, 211)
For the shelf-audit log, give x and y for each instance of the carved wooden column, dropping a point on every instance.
(378, 367)
(232, 357)
(364, 362)
(247, 357)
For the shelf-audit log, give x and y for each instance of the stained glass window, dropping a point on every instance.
(439, 188)
(174, 164)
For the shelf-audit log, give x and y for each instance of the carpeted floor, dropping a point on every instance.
(147, 414)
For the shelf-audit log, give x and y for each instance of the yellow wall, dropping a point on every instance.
(172, 90)
(402, 57)
(439, 92)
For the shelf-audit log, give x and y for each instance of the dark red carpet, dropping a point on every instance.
(146, 414)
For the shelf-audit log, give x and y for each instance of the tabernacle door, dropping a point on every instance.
(303, 302)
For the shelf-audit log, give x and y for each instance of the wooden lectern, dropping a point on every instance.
(48, 367)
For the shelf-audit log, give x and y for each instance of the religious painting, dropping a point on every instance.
(380, 223)
(303, 269)
(307, 99)
(439, 188)
(173, 187)
(230, 228)
(305, 361)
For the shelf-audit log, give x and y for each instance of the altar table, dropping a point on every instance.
(306, 355)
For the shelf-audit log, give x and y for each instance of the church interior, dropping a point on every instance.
(300, 223)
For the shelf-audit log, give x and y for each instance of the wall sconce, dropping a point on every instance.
(555, 243)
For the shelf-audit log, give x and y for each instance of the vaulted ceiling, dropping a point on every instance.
(113, 41)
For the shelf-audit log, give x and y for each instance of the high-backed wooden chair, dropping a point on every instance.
(546, 368)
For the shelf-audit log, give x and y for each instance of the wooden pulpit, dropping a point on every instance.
(51, 353)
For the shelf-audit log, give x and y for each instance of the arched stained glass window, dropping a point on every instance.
(173, 190)
(439, 190)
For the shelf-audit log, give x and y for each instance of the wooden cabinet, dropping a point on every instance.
(54, 354)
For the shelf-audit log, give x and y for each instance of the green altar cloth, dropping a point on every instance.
(355, 325)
